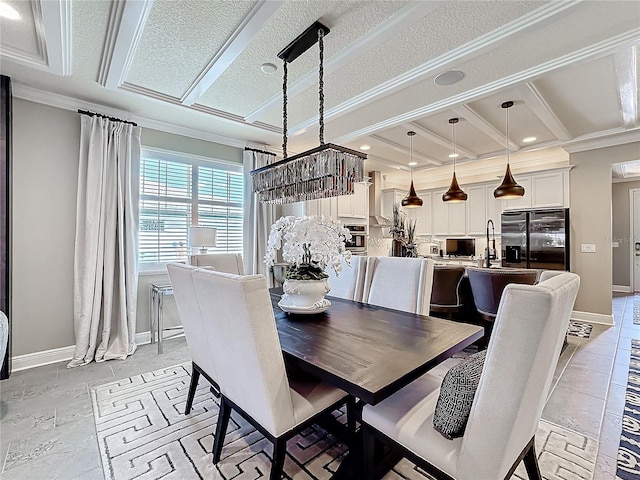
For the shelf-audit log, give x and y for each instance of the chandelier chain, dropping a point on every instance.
(321, 85)
(284, 110)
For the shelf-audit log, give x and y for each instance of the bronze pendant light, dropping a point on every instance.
(412, 200)
(455, 193)
(509, 188)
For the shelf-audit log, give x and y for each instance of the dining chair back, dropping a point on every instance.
(507, 406)
(400, 283)
(241, 329)
(184, 293)
(349, 284)
(445, 294)
(222, 262)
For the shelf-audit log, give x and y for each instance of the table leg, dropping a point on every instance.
(152, 304)
(160, 320)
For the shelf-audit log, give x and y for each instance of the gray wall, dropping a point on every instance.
(45, 159)
(621, 231)
(591, 222)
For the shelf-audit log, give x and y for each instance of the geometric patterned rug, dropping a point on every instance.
(144, 434)
(629, 450)
(582, 330)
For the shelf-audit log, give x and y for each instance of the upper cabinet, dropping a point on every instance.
(356, 205)
(448, 218)
(542, 190)
(477, 209)
(390, 197)
(423, 214)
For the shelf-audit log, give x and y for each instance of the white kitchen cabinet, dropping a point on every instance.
(423, 214)
(390, 197)
(448, 218)
(542, 190)
(494, 208)
(356, 205)
(550, 189)
(476, 209)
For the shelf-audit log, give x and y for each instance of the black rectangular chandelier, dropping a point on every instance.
(328, 170)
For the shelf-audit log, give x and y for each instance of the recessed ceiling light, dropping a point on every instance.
(454, 155)
(7, 11)
(268, 68)
(529, 139)
(413, 164)
(449, 78)
(365, 147)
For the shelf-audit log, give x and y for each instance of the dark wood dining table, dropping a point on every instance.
(369, 351)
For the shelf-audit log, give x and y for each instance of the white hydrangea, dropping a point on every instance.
(315, 241)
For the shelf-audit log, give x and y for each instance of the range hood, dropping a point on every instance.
(375, 202)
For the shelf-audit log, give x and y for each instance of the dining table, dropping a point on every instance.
(367, 350)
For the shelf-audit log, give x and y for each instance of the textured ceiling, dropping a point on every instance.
(570, 67)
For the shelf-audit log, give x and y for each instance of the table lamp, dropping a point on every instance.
(202, 238)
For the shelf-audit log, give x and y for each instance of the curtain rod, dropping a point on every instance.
(259, 151)
(93, 114)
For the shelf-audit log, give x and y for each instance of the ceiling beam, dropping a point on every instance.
(56, 19)
(252, 24)
(435, 138)
(398, 23)
(483, 125)
(536, 102)
(473, 49)
(405, 150)
(626, 74)
(126, 23)
(591, 52)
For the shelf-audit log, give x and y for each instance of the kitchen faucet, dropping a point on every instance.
(488, 255)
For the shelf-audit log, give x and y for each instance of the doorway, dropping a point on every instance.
(635, 239)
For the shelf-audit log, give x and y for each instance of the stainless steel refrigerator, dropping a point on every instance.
(536, 239)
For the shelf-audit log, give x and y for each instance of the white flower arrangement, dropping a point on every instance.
(310, 244)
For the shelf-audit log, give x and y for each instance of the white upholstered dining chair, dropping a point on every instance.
(349, 284)
(241, 331)
(189, 312)
(513, 387)
(400, 283)
(222, 262)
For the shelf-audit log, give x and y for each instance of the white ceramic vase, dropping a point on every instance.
(301, 295)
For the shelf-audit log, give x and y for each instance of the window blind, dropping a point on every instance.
(176, 193)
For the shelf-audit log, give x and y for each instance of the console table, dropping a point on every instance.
(157, 292)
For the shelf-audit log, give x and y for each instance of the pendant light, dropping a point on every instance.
(455, 193)
(411, 200)
(508, 189)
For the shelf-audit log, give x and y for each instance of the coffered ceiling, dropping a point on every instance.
(194, 66)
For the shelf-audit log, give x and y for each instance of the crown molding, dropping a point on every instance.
(252, 24)
(126, 24)
(597, 50)
(383, 32)
(67, 103)
(456, 56)
(626, 74)
(29, 59)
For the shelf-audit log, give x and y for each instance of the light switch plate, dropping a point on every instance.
(615, 244)
(588, 248)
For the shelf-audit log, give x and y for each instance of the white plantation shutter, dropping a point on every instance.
(177, 191)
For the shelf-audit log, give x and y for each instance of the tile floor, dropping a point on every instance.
(47, 429)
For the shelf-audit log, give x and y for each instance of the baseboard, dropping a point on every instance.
(588, 317)
(621, 288)
(46, 357)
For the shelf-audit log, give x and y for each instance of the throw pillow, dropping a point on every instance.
(456, 396)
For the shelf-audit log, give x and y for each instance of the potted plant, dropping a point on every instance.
(310, 245)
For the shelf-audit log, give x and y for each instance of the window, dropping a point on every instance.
(177, 191)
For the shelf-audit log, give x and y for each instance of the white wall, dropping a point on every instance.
(45, 175)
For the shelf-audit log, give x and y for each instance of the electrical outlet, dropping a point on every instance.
(587, 248)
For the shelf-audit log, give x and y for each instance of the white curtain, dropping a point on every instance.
(258, 217)
(105, 270)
